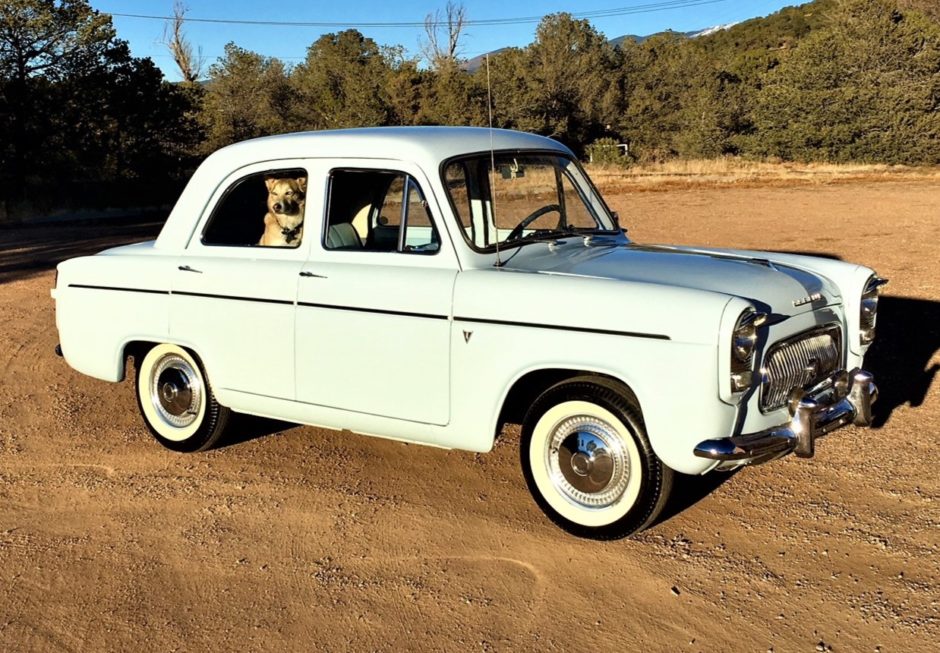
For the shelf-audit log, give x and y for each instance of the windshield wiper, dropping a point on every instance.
(541, 235)
(593, 231)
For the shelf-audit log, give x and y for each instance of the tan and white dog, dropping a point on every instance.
(284, 221)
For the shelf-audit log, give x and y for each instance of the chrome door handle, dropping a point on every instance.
(186, 268)
(305, 273)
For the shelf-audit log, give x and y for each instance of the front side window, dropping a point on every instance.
(523, 197)
(265, 209)
(379, 211)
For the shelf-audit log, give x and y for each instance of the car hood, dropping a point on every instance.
(770, 286)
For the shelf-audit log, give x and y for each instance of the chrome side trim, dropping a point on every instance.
(559, 327)
(119, 288)
(846, 399)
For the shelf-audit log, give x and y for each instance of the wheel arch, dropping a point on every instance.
(526, 387)
(138, 348)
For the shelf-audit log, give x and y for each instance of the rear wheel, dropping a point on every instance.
(588, 462)
(176, 401)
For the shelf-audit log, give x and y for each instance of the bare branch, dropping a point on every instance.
(190, 63)
(441, 50)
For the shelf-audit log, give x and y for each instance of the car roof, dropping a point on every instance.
(419, 144)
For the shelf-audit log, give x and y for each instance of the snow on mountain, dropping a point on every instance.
(710, 30)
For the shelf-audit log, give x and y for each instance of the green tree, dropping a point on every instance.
(76, 107)
(510, 92)
(656, 83)
(451, 96)
(403, 87)
(714, 114)
(342, 83)
(929, 8)
(574, 90)
(122, 120)
(247, 96)
(695, 97)
(864, 88)
(42, 42)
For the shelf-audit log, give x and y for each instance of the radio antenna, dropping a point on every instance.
(489, 107)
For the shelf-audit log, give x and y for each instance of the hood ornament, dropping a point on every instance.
(815, 297)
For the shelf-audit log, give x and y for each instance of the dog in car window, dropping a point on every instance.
(284, 221)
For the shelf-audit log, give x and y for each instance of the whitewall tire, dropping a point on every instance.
(176, 401)
(588, 462)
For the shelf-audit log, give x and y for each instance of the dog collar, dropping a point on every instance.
(291, 234)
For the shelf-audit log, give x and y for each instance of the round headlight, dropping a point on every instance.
(743, 344)
(744, 338)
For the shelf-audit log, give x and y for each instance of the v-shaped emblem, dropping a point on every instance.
(466, 336)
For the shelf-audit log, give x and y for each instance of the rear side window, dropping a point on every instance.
(265, 209)
(379, 211)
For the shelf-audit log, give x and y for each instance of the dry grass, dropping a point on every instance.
(739, 173)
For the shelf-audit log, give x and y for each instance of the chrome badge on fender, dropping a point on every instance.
(815, 297)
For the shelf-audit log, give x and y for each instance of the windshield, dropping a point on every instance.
(523, 198)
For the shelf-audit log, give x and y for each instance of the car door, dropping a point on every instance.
(374, 301)
(232, 300)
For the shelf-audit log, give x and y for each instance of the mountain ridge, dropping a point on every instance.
(474, 64)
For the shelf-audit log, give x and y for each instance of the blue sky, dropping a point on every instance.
(289, 43)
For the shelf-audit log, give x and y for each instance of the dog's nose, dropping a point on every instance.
(278, 207)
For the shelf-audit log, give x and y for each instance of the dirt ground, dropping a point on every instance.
(297, 538)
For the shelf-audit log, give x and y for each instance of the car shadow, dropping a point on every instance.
(908, 337)
(688, 490)
(245, 428)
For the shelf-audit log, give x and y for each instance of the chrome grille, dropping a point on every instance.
(802, 361)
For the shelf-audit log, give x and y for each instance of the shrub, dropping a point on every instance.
(606, 151)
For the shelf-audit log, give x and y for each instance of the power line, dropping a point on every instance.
(647, 8)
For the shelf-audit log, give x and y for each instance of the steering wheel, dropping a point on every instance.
(529, 219)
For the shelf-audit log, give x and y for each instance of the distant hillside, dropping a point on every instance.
(778, 30)
(691, 35)
(474, 64)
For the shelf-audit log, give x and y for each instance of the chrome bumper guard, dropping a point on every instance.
(844, 398)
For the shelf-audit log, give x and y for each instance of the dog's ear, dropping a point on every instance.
(269, 182)
(302, 182)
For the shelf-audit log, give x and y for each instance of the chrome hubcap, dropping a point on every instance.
(176, 391)
(587, 461)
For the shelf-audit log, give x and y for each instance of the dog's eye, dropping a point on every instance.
(289, 193)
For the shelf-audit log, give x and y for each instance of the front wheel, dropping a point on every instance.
(588, 462)
(176, 401)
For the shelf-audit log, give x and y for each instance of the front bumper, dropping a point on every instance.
(844, 398)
